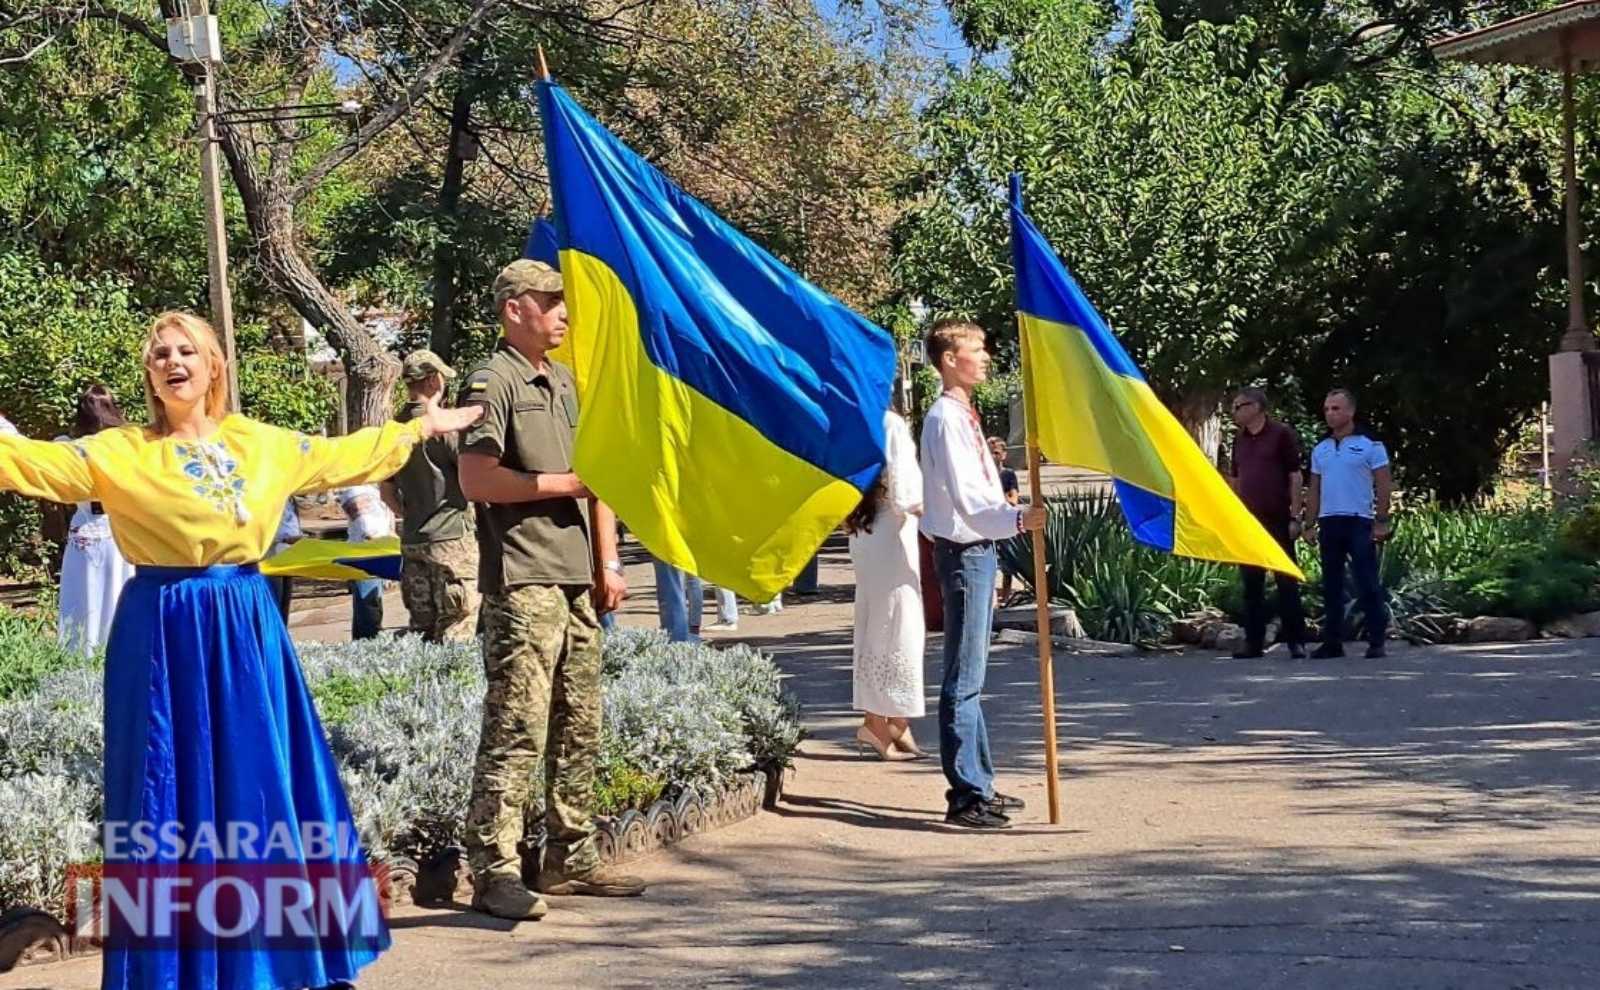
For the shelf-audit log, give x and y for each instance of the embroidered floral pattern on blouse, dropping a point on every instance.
(212, 473)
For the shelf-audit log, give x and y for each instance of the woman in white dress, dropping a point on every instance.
(93, 570)
(889, 627)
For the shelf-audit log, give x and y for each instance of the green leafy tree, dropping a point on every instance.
(790, 127)
(1163, 171)
(1259, 192)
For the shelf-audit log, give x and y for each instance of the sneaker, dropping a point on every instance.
(1328, 651)
(598, 882)
(506, 897)
(977, 815)
(1006, 804)
(1296, 651)
(1249, 653)
(722, 627)
(1376, 653)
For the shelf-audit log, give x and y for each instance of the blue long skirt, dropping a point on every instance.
(209, 726)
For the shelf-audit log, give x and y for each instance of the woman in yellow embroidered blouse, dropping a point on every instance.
(208, 721)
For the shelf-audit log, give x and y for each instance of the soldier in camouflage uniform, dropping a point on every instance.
(439, 555)
(541, 634)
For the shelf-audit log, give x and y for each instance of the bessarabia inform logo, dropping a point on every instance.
(228, 886)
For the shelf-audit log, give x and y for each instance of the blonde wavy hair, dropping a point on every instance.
(205, 341)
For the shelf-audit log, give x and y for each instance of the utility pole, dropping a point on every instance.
(192, 38)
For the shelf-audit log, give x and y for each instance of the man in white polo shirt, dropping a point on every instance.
(1349, 506)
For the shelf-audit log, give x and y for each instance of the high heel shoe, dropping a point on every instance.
(865, 738)
(908, 745)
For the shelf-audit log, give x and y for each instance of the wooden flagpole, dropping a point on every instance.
(1041, 589)
(544, 70)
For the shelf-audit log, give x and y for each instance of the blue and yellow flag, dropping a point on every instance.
(1089, 406)
(337, 560)
(541, 244)
(731, 412)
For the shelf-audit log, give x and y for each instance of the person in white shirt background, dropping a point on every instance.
(369, 520)
(964, 512)
(93, 570)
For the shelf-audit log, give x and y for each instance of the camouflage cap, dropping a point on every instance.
(522, 276)
(420, 364)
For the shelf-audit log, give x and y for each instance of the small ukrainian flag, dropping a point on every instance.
(337, 560)
(1089, 406)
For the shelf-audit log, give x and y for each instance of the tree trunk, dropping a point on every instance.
(1200, 414)
(269, 201)
(371, 371)
(442, 338)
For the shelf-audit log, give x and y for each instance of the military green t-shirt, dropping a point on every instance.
(430, 489)
(529, 423)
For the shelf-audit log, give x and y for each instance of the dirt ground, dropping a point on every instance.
(1428, 821)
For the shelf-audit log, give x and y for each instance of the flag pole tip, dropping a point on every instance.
(544, 69)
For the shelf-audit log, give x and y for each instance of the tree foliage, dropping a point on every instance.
(1171, 184)
(795, 133)
(1264, 193)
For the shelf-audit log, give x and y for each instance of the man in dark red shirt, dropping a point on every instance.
(1266, 475)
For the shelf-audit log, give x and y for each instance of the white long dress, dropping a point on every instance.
(93, 572)
(889, 629)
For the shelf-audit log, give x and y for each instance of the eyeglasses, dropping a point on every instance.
(1243, 404)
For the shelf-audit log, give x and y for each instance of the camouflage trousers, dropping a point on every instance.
(439, 585)
(542, 657)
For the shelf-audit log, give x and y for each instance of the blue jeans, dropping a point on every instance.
(1350, 536)
(366, 608)
(680, 597)
(966, 578)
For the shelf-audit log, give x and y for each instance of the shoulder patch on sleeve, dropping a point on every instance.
(476, 384)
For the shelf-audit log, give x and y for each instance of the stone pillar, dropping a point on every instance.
(1572, 424)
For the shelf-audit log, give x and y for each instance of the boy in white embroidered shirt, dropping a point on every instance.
(964, 512)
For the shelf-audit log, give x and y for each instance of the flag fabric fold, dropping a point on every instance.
(730, 411)
(337, 560)
(1089, 406)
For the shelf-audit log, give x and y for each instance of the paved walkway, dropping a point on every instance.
(1430, 821)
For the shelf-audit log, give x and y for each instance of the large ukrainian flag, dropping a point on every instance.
(731, 412)
(541, 244)
(1089, 406)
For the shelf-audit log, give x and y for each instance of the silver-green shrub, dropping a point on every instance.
(403, 718)
(46, 825)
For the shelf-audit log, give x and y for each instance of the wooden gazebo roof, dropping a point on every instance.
(1536, 40)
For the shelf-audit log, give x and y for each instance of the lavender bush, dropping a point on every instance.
(403, 720)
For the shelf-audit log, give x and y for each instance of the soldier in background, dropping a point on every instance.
(439, 555)
(541, 632)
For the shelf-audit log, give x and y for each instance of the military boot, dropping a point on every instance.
(506, 897)
(598, 882)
